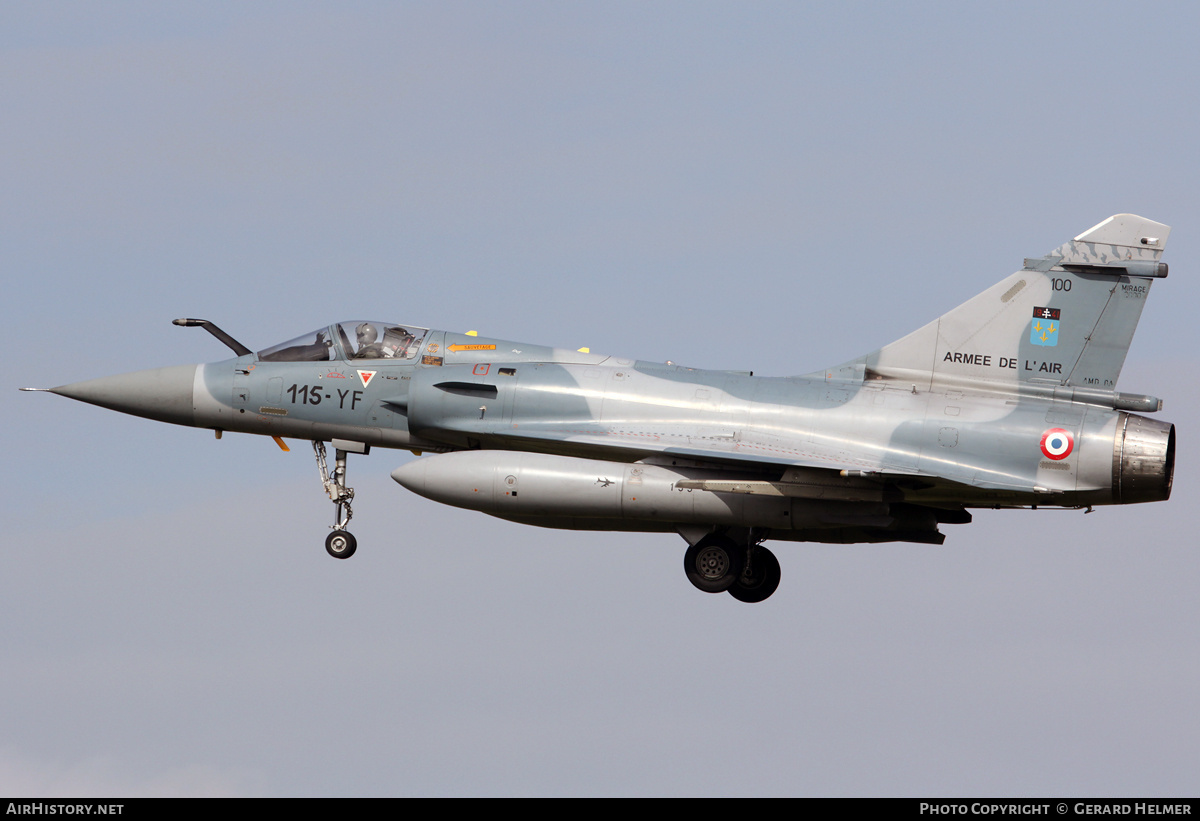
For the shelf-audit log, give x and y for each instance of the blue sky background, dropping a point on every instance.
(775, 187)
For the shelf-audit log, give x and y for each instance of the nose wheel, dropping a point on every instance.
(340, 543)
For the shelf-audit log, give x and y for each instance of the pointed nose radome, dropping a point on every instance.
(164, 394)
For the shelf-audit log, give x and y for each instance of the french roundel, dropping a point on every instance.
(1057, 444)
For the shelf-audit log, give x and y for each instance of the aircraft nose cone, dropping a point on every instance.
(164, 394)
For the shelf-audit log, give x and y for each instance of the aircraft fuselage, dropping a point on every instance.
(1008, 400)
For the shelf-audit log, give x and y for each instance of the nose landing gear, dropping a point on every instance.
(340, 544)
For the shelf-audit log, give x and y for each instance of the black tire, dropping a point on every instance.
(340, 544)
(760, 580)
(714, 563)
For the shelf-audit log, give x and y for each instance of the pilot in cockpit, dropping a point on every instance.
(394, 345)
(368, 345)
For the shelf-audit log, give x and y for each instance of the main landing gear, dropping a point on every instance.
(340, 544)
(718, 564)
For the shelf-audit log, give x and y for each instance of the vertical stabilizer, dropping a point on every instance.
(1065, 319)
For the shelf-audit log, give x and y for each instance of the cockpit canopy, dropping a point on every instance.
(350, 340)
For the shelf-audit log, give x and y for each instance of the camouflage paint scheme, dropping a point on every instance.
(1006, 401)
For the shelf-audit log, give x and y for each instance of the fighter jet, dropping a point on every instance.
(1007, 401)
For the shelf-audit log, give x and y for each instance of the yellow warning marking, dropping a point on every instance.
(456, 348)
(282, 445)
(472, 333)
(585, 350)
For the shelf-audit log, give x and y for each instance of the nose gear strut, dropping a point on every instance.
(339, 544)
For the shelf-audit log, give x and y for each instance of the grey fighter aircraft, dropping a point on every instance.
(1007, 401)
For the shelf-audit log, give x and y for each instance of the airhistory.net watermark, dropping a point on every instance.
(42, 808)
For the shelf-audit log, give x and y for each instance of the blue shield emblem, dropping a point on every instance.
(1046, 326)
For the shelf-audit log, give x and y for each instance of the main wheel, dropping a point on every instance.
(340, 544)
(758, 581)
(714, 563)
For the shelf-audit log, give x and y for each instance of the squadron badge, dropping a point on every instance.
(1045, 327)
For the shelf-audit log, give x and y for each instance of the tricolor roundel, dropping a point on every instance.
(1057, 444)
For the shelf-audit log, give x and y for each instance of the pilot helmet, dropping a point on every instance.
(366, 333)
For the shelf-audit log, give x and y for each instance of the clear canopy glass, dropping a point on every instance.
(359, 339)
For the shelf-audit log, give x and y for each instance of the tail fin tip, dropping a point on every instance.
(1127, 230)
